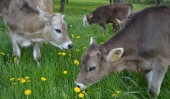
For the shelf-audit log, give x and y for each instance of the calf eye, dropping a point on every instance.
(58, 30)
(92, 68)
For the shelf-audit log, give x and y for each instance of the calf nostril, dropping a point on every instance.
(70, 46)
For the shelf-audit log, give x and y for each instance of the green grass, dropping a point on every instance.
(58, 85)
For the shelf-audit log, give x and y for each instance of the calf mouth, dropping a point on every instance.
(67, 45)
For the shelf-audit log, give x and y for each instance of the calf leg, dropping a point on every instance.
(36, 53)
(158, 73)
(16, 48)
(149, 76)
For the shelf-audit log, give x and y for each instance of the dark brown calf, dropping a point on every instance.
(108, 14)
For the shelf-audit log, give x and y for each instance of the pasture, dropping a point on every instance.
(54, 78)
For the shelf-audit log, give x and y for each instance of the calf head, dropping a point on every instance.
(89, 19)
(95, 64)
(55, 30)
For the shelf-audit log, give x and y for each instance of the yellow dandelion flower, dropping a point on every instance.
(22, 80)
(118, 92)
(78, 37)
(76, 62)
(27, 92)
(81, 95)
(15, 59)
(11, 79)
(27, 77)
(72, 35)
(19, 78)
(113, 95)
(63, 53)
(2, 53)
(43, 79)
(59, 53)
(77, 50)
(65, 72)
(77, 89)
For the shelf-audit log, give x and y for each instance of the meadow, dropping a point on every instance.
(54, 79)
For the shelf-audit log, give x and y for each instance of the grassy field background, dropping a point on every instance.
(58, 85)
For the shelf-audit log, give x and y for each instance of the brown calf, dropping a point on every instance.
(142, 45)
(108, 14)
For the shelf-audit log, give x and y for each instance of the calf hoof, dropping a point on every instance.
(153, 94)
(38, 59)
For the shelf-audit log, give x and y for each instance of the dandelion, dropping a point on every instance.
(11, 79)
(77, 37)
(59, 53)
(77, 50)
(2, 53)
(27, 77)
(63, 53)
(19, 78)
(22, 80)
(113, 95)
(43, 79)
(27, 92)
(77, 89)
(83, 91)
(84, 47)
(15, 59)
(118, 92)
(72, 36)
(76, 62)
(65, 72)
(81, 95)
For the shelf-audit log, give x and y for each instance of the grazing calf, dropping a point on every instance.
(33, 22)
(142, 45)
(108, 14)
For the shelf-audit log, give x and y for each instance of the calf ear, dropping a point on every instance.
(115, 54)
(63, 16)
(42, 14)
(92, 41)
